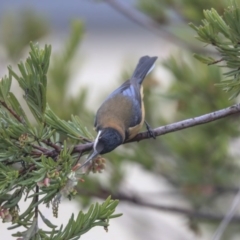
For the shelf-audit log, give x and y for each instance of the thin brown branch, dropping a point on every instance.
(11, 111)
(25, 170)
(217, 61)
(43, 150)
(134, 199)
(82, 148)
(35, 201)
(54, 146)
(151, 25)
(210, 117)
(191, 122)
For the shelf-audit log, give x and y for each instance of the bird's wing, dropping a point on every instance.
(131, 90)
(128, 89)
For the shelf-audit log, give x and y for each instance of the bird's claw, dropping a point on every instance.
(151, 133)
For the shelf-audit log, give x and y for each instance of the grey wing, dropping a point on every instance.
(132, 92)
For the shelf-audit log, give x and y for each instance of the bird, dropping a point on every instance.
(122, 115)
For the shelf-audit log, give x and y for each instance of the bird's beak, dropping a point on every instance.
(92, 155)
(97, 148)
(88, 162)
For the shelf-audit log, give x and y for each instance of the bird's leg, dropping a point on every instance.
(150, 130)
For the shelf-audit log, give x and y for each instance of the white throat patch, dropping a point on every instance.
(96, 140)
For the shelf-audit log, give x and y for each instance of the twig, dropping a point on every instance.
(35, 201)
(24, 171)
(54, 146)
(228, 218)
(134, 199)
(191, 122)
(45, 151)
(42, 149)
(209, 117)
(216, 61)
(82, 148)
(12, 112)
(146, 22)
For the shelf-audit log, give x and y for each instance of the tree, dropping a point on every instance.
(46, 170)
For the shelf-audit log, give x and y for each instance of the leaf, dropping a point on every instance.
(84, 222)
(34, 79)
(74, 128)
(223, 32)
(46, 221)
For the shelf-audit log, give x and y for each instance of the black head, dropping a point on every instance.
(107, 140)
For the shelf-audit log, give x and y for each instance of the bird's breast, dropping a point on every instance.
(125, 113)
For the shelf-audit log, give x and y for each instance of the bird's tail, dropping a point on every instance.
(145, 65)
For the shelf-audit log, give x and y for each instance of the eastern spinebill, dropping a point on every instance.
(122, 114)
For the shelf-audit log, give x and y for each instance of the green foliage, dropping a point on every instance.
(60, 73)
(201, 162)
(192, 10)
(163, 10)
(197, 161)
(223, 33)
(34, 80)
(155, 8)
(97, 215)
(7, 176)
(37, 161)
(17, 29)
(74, 128)
(33, 163)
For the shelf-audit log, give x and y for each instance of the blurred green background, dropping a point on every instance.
(95, 48)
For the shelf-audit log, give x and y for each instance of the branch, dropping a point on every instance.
(134, 199)
(11, 111)
(146, 22)
(228, 218)
(217, 61)
(54, 146)
(191, 122)
(35, 201)
(210, 117)
(82, 148)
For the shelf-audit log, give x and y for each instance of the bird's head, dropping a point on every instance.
(106, 141)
